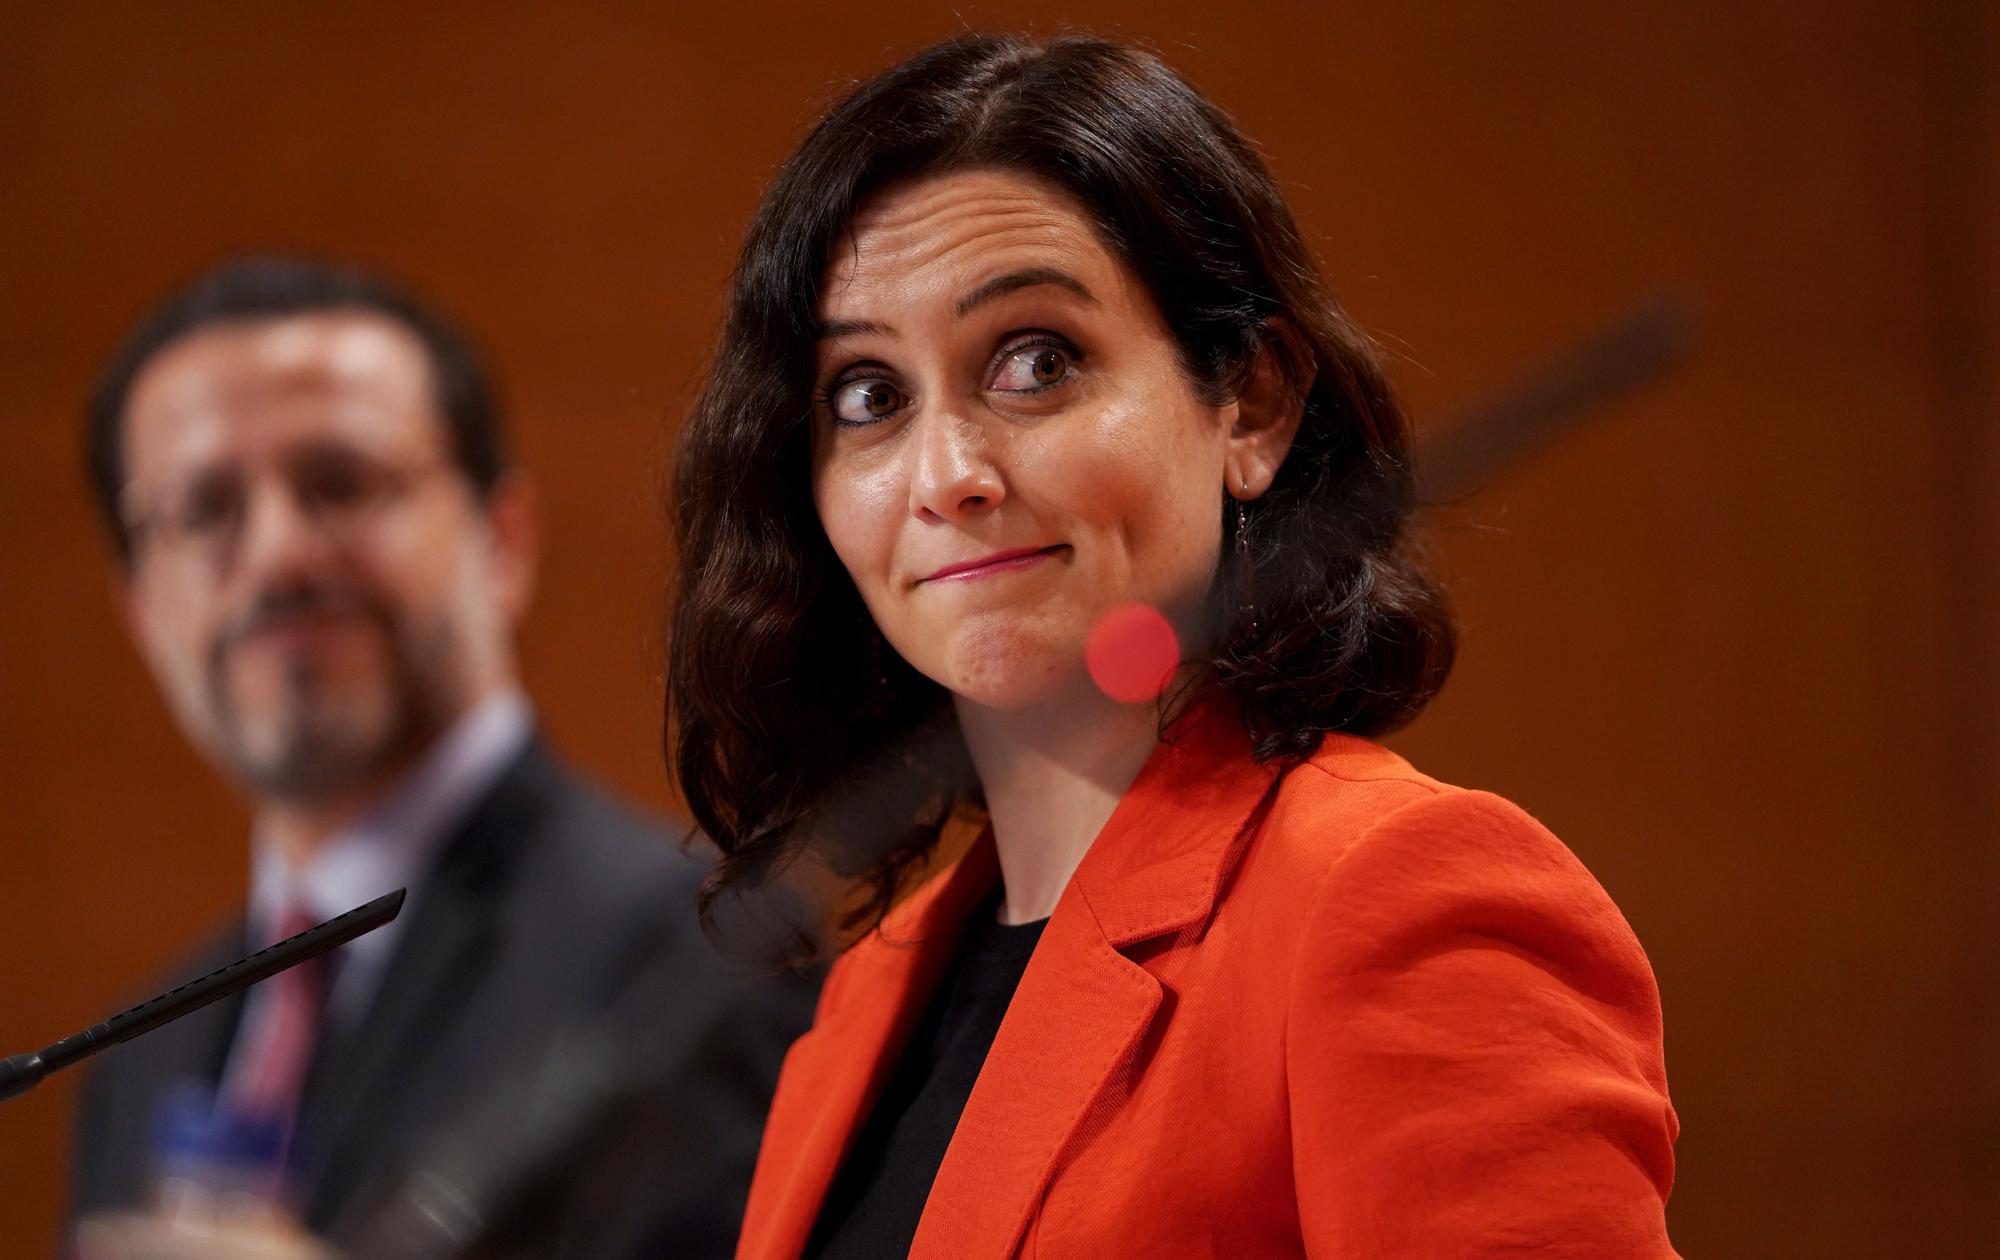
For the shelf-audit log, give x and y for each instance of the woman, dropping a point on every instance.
(1023, 347)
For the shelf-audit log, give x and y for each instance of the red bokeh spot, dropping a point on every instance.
(1132, 653)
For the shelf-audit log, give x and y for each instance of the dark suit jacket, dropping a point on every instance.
(544, 909)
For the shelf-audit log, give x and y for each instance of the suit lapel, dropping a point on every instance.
(1083, 1007)
(354, 1100)
(355, 1105)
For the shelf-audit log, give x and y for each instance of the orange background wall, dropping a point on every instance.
(1736, 642)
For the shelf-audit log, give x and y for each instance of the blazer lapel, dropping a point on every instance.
(1083, 1008)
(356, 1099)
(834, 1072)
(1031, 1094)
(354, 1104)
(1079, 1015)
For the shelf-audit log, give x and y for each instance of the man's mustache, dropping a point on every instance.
(301, 600)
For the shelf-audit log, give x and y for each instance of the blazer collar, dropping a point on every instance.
(1157, 867)
(833, 1073)
(1160, 862)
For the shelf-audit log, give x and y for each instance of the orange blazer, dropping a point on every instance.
(1348, 1011)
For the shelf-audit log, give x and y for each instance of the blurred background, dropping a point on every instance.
(1735, 637)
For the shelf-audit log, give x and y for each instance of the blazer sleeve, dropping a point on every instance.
(1473, 1049)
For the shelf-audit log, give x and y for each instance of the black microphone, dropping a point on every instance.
(23, 1072)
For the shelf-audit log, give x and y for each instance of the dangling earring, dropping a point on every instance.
(1246, 569)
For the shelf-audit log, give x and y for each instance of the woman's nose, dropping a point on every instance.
(955, 477)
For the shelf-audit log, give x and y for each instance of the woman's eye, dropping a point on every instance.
(1031, 368)
(865, 401)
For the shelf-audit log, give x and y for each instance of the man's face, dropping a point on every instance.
(317, 586)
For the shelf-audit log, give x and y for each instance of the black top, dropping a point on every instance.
(876, 1199)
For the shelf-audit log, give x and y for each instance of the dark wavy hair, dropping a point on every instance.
(253, 288)
(788, 724)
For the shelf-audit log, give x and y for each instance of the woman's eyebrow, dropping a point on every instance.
(1000, 286)
(997, 287)
(834, 330)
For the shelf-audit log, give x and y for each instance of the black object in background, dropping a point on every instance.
(1632, 351)
(23, 1072)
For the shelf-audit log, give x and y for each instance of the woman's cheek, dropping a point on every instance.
(1096, 470)
(861, 511)
(1155, 477)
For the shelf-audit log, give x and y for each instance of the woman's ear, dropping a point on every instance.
(1268, 409)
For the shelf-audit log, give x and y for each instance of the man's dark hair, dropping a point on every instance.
(788, 724)
(256, 288)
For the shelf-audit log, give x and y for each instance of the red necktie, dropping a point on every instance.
(269, 1069)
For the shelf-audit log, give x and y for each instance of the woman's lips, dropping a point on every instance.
(998, 562)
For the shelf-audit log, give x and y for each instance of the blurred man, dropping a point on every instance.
(323, 557)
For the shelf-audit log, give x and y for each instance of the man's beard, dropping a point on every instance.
(316, 743)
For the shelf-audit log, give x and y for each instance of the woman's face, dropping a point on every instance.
(1004, 445)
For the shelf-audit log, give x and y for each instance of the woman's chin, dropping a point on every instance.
(1007, 673)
